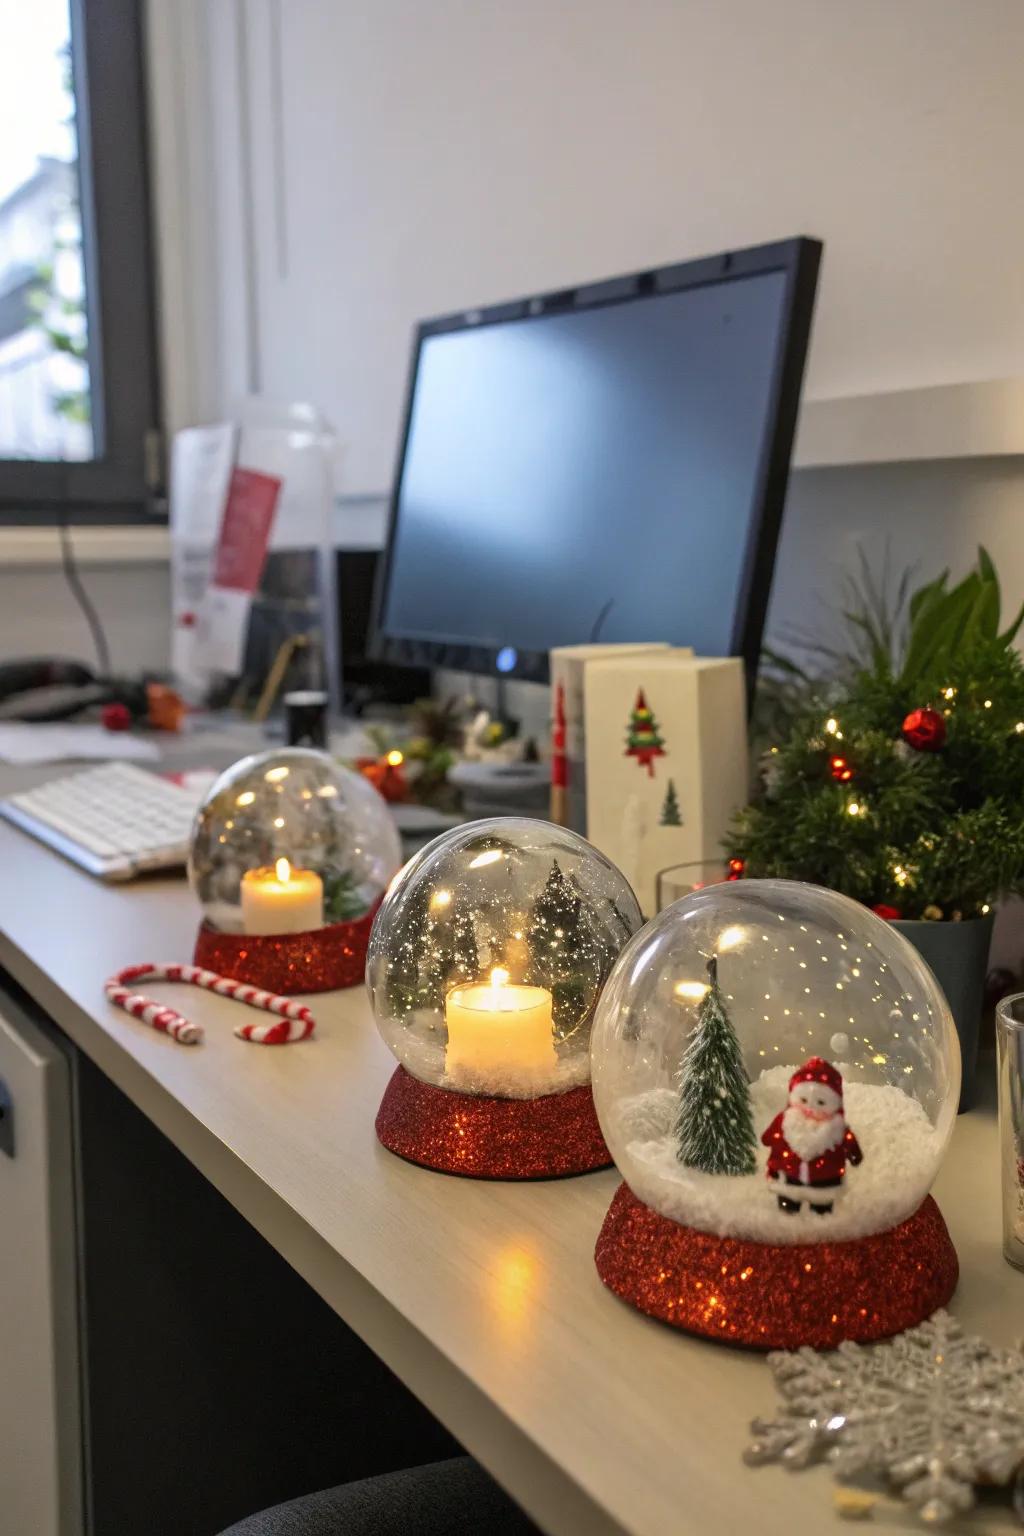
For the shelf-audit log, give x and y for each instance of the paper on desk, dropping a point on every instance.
(27, 744)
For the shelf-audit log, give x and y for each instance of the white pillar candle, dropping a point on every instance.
(500, 1038)
(282, 900)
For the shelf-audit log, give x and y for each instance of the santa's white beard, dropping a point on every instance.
(810, 1138)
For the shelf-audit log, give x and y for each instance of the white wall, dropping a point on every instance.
(39, 617)
(407, 158)
(925, 516)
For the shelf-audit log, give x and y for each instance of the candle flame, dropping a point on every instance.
(283, 870)
(499, 977)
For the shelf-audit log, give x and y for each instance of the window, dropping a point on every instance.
(78, 396)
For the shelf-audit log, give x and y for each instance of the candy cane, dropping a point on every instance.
(295, 1021)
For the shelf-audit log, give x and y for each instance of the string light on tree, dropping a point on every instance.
(840, 770)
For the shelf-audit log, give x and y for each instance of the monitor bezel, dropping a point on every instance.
(799, 260)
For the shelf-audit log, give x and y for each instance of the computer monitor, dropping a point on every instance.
(607, 462)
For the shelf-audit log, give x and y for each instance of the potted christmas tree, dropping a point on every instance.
(901, 783)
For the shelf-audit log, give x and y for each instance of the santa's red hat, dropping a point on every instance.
(818, 1070)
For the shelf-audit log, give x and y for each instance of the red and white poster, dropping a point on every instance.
(238, 562)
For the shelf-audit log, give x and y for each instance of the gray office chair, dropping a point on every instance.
(443, 1498)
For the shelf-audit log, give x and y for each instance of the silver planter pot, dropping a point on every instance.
(958, 954)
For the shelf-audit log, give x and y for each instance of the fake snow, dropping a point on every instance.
(901, 1155)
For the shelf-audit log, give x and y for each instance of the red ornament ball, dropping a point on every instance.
(889, 913)
(925, 730)
(116, 717)
(840, 770)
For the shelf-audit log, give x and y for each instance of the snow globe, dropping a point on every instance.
(485, 965)
(776, 1072)
(291, 854)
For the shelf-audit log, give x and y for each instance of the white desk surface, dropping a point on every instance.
(482, 1297)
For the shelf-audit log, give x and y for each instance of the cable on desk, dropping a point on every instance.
(82, 598)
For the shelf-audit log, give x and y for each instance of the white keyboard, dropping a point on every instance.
(115, 821)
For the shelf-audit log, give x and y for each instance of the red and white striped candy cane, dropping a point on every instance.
(295, 1022)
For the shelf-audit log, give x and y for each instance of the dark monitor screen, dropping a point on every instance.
(591, 473)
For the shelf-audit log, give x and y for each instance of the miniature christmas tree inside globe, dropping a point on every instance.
(775, 1068)
(485, 965)
(289, 842)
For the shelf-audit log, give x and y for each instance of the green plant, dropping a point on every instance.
(846, 800)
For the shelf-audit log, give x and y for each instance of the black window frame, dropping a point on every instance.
(121, 483)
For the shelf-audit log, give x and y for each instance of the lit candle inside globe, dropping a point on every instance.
(282, 899)
(500, 1037)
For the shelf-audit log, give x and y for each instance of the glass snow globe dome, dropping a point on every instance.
(288, 841)
(772, 1061)
(488, 955)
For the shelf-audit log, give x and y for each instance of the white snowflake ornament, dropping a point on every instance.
(933, 1412)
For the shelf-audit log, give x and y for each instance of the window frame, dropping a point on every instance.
(120, 483)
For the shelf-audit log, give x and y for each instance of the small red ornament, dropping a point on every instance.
(889, 913)
(386, 774)
(925, 730)
(116, 717)
(840, 770)
(736, 868)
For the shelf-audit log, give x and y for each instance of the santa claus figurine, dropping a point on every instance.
(809, 1143)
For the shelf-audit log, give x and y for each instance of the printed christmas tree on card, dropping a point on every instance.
(569, 667)
(670, 816)
(642, 739)
(661, 791)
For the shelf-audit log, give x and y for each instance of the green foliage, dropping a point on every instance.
(931, 829)
(714, 1126)
(565, 955)
(343, 900)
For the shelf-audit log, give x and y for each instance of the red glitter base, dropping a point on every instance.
(777, 1296)
(290, 963)
(485, 1138)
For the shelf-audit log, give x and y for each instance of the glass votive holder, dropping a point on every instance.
(1010, 1046)
(681, 879)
